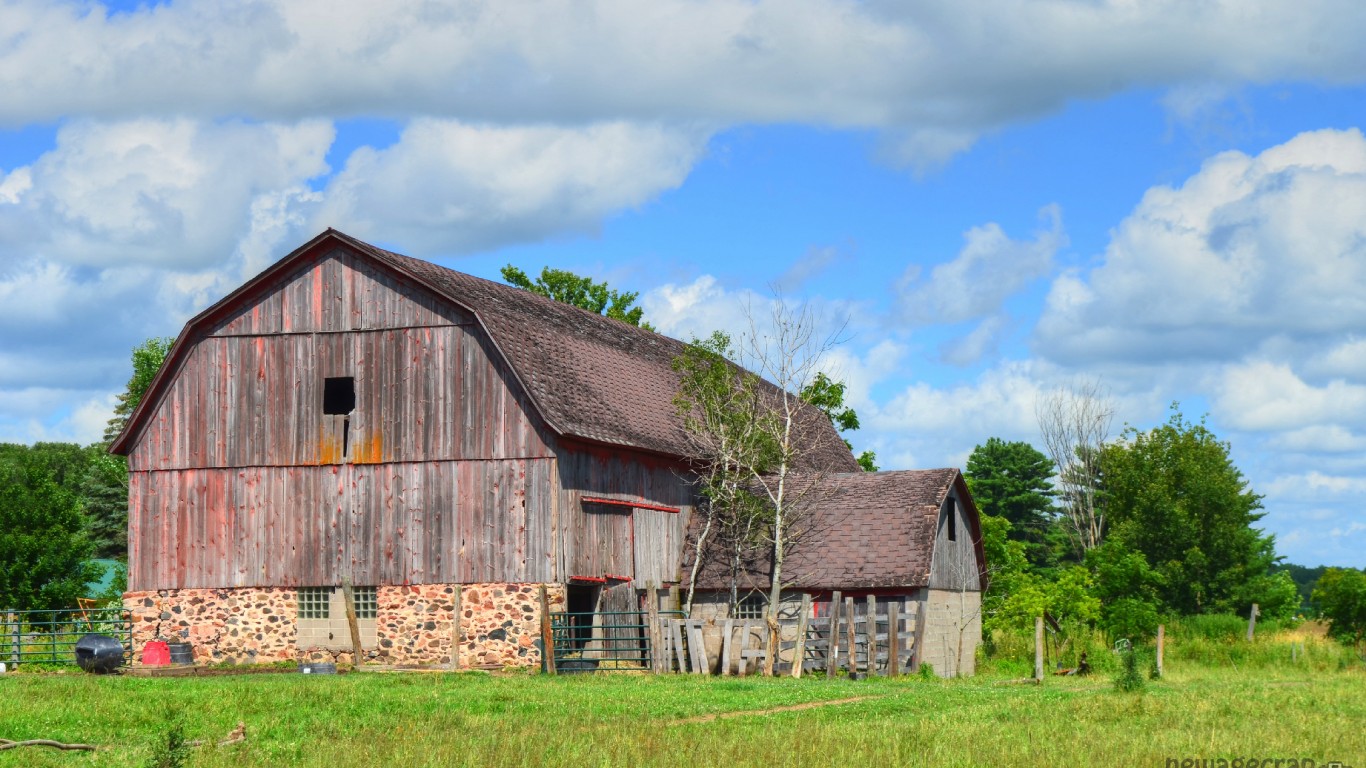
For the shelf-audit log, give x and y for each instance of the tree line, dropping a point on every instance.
(1122, 534)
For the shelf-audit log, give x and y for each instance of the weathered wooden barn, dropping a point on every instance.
(444, 444)
(908, 537)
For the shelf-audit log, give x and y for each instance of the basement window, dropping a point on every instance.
(339, 395)
(313, 602)
(366, 606)
(751, 607)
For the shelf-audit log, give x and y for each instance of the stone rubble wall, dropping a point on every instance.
(500, 624)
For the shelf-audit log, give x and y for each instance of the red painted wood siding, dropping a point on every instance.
(410, 523)
(339, 292)
(422, 394)
(646, 544)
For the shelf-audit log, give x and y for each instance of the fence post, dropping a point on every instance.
(349, 597)
(852, 637)
(547, 635)
(870, 629)
(893, 639)
(15, 639)
(922, 607)
(832, 645)
(1038, 648)
(1252, 621)
(652, 621)
(1161, 637)
(799, 652)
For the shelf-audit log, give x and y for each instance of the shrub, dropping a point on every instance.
(1129, 679)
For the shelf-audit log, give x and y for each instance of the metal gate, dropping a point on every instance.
(49, 637)
(603, 641)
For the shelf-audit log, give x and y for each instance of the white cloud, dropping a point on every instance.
(935, 75)
(989, 269)
(448, 186)
(1262, 395)
(166, 193)
(1247, 249)
(1316, 484)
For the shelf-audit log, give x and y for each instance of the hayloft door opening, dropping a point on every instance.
(339, 399)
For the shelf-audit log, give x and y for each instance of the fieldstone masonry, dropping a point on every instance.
(500, 624)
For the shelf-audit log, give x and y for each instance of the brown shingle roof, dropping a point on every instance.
(589, 376)
(868, 530)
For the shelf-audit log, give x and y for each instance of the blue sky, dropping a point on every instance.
(1000, 198)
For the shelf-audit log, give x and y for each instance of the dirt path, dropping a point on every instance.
(771, 710)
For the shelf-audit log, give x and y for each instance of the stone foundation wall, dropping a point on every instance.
(500, 624)
(245, 625)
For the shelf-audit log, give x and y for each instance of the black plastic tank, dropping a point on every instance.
(100, 654)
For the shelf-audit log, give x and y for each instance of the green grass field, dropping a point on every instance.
(410, 719)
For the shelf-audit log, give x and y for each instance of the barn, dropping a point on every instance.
(438, 445)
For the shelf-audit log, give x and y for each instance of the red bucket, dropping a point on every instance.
(156, 654)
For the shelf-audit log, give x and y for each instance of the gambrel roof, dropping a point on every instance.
(589, 377)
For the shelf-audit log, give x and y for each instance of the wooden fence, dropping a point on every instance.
(850, 636)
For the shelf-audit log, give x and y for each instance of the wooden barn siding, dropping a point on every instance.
(408, 523)
(339, 292)
(600, 539)
(422, 394)
(954, 563)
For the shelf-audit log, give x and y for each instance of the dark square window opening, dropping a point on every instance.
(339, 395)
(950, 509)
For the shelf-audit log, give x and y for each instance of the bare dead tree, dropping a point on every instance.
(787, 351)
(719, 403)
(1075, 423)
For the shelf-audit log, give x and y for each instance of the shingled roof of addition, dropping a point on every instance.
(868, 530)
(588, 376)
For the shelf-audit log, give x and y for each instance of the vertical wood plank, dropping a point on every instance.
(799, 651)
(652, 622)
(1038, 648)
(893, 639)
(921, 608)
(727, 634)
(547, 634)
(870, 628)
(832, 646)
(852, 638)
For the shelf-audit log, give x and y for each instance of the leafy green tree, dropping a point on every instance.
(582, 292)
(44, 551)
(1341, 596)
(1175, 497)
(1011, 480)
(147, 359)
(104, 487)
(1128, 588)
(828, 395)
(1305, 578)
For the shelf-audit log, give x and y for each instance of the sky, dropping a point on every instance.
(996, 198)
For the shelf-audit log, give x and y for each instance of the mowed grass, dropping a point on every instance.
(368, 719)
